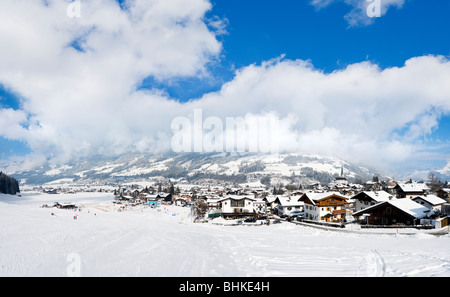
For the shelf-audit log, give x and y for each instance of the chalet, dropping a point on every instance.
(127, 198)
(166, 198)
(391, 212)
(260, 206)
(372, 185)
(409, 190)
(66, 205)
(444, 194)
(369, 198)
(431, 202)
(270, 201)
(237, 206)
(180, 201)
(131, 192)
(213, 202)
(146, 191)
(325, 207)
(286, 205)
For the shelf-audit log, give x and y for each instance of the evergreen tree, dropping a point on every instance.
(8, 185)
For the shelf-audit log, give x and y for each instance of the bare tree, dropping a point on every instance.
(199, 209)
(434, 183)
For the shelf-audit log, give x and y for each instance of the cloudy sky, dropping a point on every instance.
(108, 77)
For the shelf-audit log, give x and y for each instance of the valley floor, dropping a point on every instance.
(165, 242)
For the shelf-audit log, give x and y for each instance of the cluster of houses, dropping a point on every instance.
(407, 204)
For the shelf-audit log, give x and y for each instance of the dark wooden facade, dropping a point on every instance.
(386, 214)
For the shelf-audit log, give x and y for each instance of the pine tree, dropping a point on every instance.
(8, 185)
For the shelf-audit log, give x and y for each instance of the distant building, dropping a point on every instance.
(431, 202)
(409, 190)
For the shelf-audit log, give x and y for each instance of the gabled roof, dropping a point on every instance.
(377, 196)
(432, 199)
(236, 197)
(408, 206)
(314, 197)
(270, 198)
(413, 187)
(163, 195)
(286, 201)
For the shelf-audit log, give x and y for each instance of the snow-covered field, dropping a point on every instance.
(165, 242)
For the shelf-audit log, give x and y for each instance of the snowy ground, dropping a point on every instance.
(148, 242)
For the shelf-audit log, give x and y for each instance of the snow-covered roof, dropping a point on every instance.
(163, 195)
(410, 207)
(236, 197)
(378, 196)
(432, 199)
(406, 205)
(286, 201)
(413, 187)
(318, 196)
(271, 198)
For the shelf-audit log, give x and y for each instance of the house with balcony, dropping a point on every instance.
(237, 206)
(324, 207)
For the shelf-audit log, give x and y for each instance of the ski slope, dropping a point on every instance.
(165, 242)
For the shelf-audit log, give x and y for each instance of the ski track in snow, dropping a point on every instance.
(148, 242)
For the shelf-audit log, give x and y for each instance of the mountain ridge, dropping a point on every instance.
(237, 167)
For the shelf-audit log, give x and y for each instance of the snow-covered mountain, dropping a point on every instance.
(445, 171)
(247, 167)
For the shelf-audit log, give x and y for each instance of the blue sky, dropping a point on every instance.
(257, 31)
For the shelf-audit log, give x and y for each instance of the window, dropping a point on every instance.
(388, 210)
(237, 203)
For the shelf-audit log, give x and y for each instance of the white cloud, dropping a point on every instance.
(356, 113)
(79, 103)
(81, 100)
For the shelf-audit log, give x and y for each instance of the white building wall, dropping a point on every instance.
(227, 208)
